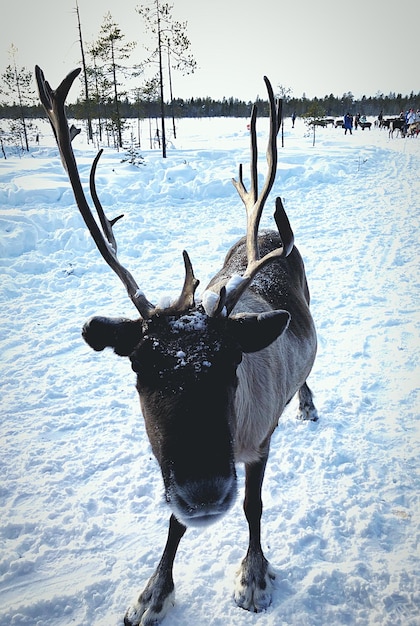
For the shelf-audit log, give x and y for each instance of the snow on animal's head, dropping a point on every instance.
(182, 348)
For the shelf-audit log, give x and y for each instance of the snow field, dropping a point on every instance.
(82, 521)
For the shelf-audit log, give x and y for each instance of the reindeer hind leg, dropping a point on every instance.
(307, 409)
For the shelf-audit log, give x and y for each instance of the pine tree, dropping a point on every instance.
(172, 43)
(16, 87)
(313, 116)
(111, 49)
(100, 88)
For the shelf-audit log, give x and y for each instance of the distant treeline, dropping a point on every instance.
(231, 107)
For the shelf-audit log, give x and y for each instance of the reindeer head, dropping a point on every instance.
(186, 378)
(186, 355)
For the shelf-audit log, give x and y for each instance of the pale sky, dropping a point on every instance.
(316, 47)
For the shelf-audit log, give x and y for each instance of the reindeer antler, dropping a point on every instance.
(254, 203)
(53, 102)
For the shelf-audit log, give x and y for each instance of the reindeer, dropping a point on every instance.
(213, 376)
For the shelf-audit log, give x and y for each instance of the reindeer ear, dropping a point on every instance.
(257, 331)
(121, 334)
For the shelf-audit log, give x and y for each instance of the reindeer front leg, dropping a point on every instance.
(254, 584)
(159, 594)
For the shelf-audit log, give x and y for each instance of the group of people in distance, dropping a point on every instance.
(348, 122)
(410, 117)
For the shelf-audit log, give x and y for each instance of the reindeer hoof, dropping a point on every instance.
(147, 612)
(308, 416)
(253, 588)
(307, 412)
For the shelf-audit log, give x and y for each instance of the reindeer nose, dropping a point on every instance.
(202, 502)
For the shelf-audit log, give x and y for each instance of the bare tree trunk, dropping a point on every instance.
(170, 92)
(89, 120)
(162, 104)
(98, 99)
(117, 107)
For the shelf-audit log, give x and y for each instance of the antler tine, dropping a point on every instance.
(53, 102)
(185, 301)
(105, 222)
(254, 202)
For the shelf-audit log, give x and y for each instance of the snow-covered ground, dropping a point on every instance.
(82, 519)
